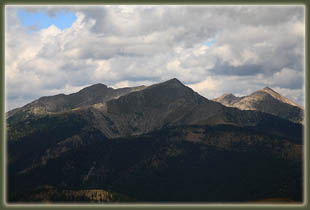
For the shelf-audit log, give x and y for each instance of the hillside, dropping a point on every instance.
(163, 142)
(265, 100)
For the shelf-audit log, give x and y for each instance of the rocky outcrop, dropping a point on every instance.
(265, 100)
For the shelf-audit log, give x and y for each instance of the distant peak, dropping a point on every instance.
(269, 90)
(226, 98)
(98, 85)
(174, 80)
(278, 96)
(93, 87)
(228, 95)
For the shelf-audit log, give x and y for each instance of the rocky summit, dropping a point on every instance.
(157, 143)
(265, 100)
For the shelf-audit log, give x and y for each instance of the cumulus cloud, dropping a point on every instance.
(252, 47)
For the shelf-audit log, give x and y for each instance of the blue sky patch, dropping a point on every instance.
(40, 20)
(210, 42)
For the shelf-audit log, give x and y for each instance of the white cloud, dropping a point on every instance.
(287, 78)
(129, 45)
(207, 87)
(127, 83)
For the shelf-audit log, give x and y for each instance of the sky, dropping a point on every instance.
(212, 49)
(40, 20)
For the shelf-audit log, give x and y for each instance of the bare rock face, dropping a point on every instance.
(227, 99)
(265, 100)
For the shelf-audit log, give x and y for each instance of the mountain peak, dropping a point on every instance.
(95, 87)
(170, 83)
(98, 85)
(228, 95)
(268, 90)
(227, 99)
(277, 96)
(174, 81)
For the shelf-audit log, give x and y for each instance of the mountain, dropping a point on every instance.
(163, 142)
(98, 93)
(154, 107)
(265, 100)
(227, 99)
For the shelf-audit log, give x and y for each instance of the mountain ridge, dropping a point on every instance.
(97, 93)
(142, 109)
(265, 100)
(280, 97)
(40, 106)
(143, 143)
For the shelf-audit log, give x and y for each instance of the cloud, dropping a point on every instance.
(287, 78)
(208, 87)
(135, 45)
